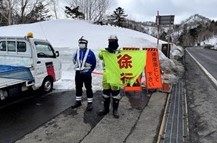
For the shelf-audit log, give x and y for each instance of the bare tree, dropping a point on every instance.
(101, 8)
(54, 7)
(22, 8)
(18, 11)
(25, 7)
(93, 10)
(7, 12)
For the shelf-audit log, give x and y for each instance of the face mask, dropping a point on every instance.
(113, 45)
(81, 45)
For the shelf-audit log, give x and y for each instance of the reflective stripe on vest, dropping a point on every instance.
(81, 64)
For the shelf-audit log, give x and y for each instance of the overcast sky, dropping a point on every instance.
(146, 10)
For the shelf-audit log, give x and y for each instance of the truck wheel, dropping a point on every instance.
(47, 85)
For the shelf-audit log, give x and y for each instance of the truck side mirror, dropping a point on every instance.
(57, 54)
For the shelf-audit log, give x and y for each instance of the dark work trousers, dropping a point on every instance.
(81, 79)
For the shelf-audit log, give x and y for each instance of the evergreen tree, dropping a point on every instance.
(118, 17)
(163, 36)
(39, 13)
(74, 13)
(194, 34)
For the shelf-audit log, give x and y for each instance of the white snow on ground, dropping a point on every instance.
(64, 35)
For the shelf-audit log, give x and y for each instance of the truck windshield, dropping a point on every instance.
(44, 50)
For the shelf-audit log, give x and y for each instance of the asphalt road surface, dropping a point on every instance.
(25, 115)
(201, 96)
(207, 58)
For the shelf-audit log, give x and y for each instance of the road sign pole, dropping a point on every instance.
(166, 20)
(158, 29)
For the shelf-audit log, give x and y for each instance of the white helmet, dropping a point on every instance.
(81, 40)
(113, 37)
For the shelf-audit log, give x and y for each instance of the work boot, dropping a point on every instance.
(76, 105)
(115, 108)
(106, 107)
(89, 106)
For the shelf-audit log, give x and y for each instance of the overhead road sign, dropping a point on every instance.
(165, 20)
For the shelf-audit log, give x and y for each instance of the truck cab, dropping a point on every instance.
(36, 55)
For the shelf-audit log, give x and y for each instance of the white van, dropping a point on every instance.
(27, 62)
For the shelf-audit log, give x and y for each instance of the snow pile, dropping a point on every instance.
(64, 35)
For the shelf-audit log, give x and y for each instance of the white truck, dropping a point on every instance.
(27, 62)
